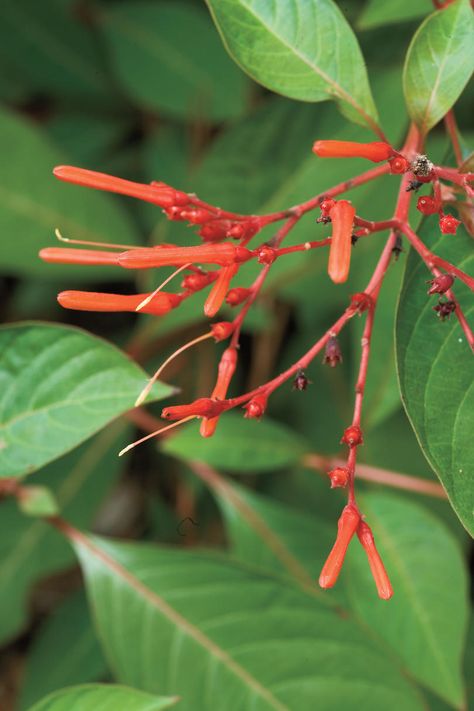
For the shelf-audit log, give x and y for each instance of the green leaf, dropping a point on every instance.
(377, 13)
(285, 47)
(439, 63)
(33, 203)
(168, 57)
(94, 697)
(245, 639)
(64, 652)
(59, 386)
(29, 548)
(435, 368)
(429, 608)
(37, 501)
(239, 445)
(53, 52)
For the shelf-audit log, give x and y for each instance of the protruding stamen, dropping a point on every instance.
(154, 378)
(159, 288)
(154, 434)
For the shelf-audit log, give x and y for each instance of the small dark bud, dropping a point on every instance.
(301, 382)
(444, 309)
(414, 185)
(332, 353)
(397, 248)
(361, 301)
(354, 239)
(440, 284)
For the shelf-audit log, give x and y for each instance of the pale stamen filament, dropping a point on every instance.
(61, 238)
(151, 296)
(154, 434)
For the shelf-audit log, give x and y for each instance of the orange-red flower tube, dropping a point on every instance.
(376, 151)
(382, 582)
(218, 292)
(223, 254)
(161, 303)
(226, 370)
(346, 527)
(203, 407)
(89, 257)
(342, 217)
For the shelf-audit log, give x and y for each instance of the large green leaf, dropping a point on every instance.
(59, 385)
(427, 623)
(239, 445)
(423, 625)
(33, 203)
(168, 57)
(439, 63)
(102, 697)
(303, 49)
(64, 652)
(377, 13)
(436, 370)
(30, 549)
(246, 639)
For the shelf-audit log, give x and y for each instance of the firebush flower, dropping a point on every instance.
(346, 527)
(376, 151)
(342, 217)
(382, 582)
(160, 304)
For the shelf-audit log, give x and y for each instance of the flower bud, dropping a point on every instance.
(215, 230)
(332, 353)
(266, 254)
(377, 567)
(352, 436)
(197, 216)
(448, 224)
(339, 477)
(301, 382)
(226, 370)
(243, 230)
(346, 527)
(237, 296)
(256, 407)
(196, 282)
(342, 217)
(217, 294)
(222, 330)
(376, 151)
(398, 164)
(427, 205)
(444, 309)
(440, 284)
(361, 301)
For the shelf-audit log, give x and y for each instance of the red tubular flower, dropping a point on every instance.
(255, 408)
(217, 294)
(223, 254)
(157, 193)
(342, 217)
(89, 257)
(377, 567)
(226, 370)
(346, 527)
(161, 304)
(376, 151)
(237, 296)
(203, 407)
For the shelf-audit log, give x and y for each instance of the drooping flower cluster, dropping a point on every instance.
(224, 248)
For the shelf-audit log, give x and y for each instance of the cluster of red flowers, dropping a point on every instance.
(225, 244)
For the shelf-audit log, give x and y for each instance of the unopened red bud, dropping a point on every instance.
(237, 296)
(301, 382)
(376, 151)
(243, 230)
(448, 224)
(160, 304)
(440, 284)
(339, 477)
(256, 407)
(215, 230)
(352, 436)
(398, 164)
(444, 309)
(174, 213)
(346, 527)
(342, 217)
(197, 216)
(332, 353)
(89, 257)
(266, 254)
(422, 167)
(427, 205)
(226, 370)
(180, 199)
(222, 330)
(326, 206)
(382, 581)
(203, 407)
(196, 282)
(361, 301)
